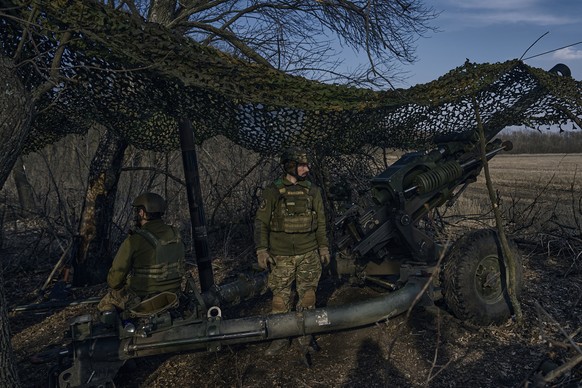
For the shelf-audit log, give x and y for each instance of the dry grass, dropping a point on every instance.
(534, 189)
(526, 175)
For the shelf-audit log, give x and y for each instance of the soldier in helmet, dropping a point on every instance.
(290, 236)
(149, 261)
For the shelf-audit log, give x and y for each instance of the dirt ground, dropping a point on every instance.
(429, 347)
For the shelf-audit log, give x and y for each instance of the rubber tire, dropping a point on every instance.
(473, 261)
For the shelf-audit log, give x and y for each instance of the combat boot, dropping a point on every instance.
(307, 346)
(277, 346)
(308, 343)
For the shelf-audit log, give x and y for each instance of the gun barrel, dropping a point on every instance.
(449, 171)
(505, 146)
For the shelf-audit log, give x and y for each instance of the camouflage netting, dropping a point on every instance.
(139, 79)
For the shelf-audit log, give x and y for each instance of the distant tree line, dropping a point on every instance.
(546, 142)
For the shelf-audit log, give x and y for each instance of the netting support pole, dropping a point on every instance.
(197, 217)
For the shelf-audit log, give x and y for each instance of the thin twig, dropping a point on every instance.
(531, 45)
(570, 340)
(158, 170)
(551, 51)
(553, 374)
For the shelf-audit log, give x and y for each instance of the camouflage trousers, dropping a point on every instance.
(122, 299)
(304, 270)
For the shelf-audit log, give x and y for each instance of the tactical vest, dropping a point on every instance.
(169, 261)
(293, 212)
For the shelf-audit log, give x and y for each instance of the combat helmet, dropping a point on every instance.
(151, 202)
(291, 158)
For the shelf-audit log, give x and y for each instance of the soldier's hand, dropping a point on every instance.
(263, 258)
(324, 255)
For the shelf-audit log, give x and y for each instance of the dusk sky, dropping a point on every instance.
(498, 30)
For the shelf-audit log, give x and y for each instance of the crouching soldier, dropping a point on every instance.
(149, 261)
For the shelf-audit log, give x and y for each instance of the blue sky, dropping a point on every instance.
(498, 30)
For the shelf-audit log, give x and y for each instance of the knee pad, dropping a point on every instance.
(278, 305)
(308, 299)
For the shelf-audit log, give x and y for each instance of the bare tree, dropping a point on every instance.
(303, 37)
(15, 111)
(16, 115)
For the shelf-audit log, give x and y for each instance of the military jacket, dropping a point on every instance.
(290, 219)
(145, 269)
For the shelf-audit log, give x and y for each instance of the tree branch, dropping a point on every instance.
(159, 171)
(233, 40)
(54, 74)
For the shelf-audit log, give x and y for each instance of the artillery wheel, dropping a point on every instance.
(474, 284)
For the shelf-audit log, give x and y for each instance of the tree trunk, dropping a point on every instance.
(16, 112)
(8, 375)
(162, 11)
(92, 254)
(23, 188)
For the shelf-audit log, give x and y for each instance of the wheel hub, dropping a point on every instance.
(488, 279)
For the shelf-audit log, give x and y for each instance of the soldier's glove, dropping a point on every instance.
(324, 255)
(263, 258)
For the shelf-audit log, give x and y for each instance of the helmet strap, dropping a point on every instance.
(292, 168)
(136, 217)
(296, 175)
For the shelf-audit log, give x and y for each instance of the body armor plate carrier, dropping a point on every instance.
(169, 263)
(293, 211)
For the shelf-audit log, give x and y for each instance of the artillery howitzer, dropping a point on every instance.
(386, 240)
(381, 242)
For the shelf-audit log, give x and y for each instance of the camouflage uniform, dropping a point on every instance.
(290, 224)
(149, 261)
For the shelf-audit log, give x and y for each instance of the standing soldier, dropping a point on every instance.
(290, 235)
(149, 261)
